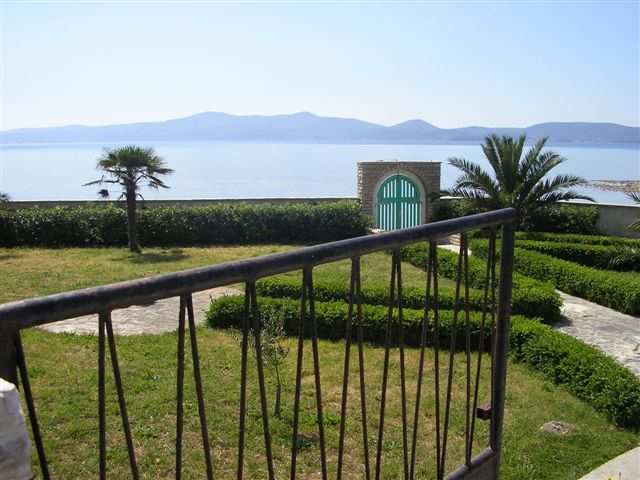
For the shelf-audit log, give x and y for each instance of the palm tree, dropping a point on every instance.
(635, 226)
(518, 181)
(129, 167)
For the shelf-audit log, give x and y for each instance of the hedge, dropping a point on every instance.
(412, 297)
(598, 256)
(331, 318)
(561, 218)
(529, 297)
(162, 226)
(576, 238)
(618, 290)
(583, 370)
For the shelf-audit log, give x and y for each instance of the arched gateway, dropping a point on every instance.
(397, 194)
(398, 203)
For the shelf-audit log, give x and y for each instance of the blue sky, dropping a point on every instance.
(450, 63)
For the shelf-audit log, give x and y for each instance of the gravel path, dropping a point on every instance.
(615, 333)
(160, 317)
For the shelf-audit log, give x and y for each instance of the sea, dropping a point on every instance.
(217, 170)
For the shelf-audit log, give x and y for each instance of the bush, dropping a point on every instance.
(331, 318)
(412, 297)
(164, 226)
(529, 297)
(618, 290)
(576, 238)
(563, 218)
(584, 370)
(614, 257)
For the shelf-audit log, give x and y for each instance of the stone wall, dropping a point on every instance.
(613, 218)
(372, 174)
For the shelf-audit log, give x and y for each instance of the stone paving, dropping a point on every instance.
(615, 333)
(160, 317)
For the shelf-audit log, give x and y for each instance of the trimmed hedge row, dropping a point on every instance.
(412, 297)
(331, 318)
(598, 256)
(618, 290)
(215, 224)
(576, 238)
(583, 370)
(555, 218)
(529, 296)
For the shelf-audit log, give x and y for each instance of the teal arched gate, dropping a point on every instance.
(399, 204)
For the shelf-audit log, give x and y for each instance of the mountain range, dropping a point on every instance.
(306, 127)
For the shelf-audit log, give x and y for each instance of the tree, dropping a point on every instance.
(130, 167)
(518, 181)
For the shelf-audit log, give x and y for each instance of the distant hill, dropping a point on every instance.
(306, 127)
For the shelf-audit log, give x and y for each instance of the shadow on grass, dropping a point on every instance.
(173, 255)
(7, 256)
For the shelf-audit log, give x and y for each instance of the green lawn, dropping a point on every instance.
(29, 272)
(66, 369)
(64, 377)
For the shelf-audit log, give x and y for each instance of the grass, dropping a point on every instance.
(66, 368)
(30, 272)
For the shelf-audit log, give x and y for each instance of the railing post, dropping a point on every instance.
(501, 342)
(8, 355)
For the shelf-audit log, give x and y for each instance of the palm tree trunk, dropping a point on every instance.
(132, 220)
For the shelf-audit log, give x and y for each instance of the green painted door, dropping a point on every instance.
(398, 204)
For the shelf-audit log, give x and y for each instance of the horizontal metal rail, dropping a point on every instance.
(52, 308)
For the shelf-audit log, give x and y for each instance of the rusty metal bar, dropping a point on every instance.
(52, 308)
(502, 340)
(347, 357)
(122, 405)
(102, 422)
(243, 381)
(257, 326)
(188, 300)
(385, 371)
(436, 359)
(180, 390)
(423, 343)
(363, 395)
(33, 417)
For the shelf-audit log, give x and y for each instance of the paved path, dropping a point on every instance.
(615, 333)
(160, 317)
(624, 467)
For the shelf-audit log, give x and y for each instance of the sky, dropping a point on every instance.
(452, 64)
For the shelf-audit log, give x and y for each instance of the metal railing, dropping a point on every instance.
(495, 315)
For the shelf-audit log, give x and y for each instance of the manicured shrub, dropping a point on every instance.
(563, 218)
(576, 238)
(614, 257)
(529, 297)
(331, 318)
(412, 297)
(618, 290)
(166, 226)
(584, 370)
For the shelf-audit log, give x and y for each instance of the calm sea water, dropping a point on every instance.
(242, 170)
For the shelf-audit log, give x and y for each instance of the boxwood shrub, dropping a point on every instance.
(618, 290)
(611, 257)
(331, 319)
(412, 297)
(583, 370)
(529, 297)
(576, 238)
(231, 223)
